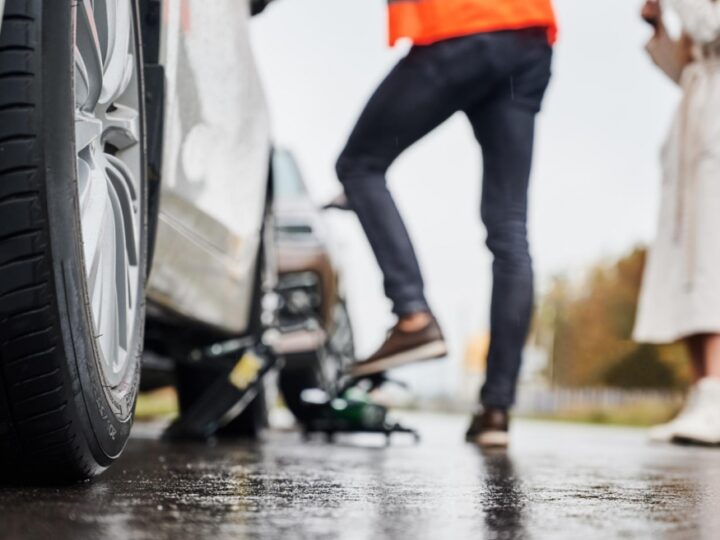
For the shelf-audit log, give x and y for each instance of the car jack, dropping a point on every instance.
(351, 411)
(240, 367)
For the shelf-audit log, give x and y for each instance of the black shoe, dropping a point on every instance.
(489, 429)
(401, 348)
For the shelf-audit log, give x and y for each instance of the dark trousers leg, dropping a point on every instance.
(506, 131)
(409, 103)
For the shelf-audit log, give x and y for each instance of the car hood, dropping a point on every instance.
(299, 221)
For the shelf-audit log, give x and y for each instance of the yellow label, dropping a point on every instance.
(245, 371)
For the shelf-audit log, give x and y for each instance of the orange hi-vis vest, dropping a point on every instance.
(428, 21)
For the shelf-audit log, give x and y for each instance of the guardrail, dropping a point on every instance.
(549, 401)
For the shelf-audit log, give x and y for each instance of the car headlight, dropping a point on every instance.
(299, 301)
(301, 297)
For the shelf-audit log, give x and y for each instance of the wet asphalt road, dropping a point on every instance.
(558, 481)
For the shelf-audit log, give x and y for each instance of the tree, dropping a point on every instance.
(588, 332)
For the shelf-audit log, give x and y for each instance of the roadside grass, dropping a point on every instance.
(634, 415)
(161, 403)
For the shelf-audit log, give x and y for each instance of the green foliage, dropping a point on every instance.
(642, 368)
(638, 414)
(588, 331)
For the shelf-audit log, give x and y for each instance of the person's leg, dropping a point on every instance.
(505, 128)
(704, 352)
(507, 149)
(699, 420)
(408, 104)
(712, 355)
(667, 431)
(696, 349)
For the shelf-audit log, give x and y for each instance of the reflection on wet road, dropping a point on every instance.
(558, 481)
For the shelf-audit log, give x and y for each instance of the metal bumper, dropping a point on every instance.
(299, 341)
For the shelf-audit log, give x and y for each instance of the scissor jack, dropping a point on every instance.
(351, 411)
(239, 368)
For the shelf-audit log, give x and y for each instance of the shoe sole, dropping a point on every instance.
(491, 439)
(429, 351)
(680, 438)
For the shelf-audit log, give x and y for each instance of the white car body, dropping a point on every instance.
(215, 165)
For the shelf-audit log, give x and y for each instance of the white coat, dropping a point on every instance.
(680, 294)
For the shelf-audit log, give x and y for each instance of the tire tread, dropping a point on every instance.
(38, 433)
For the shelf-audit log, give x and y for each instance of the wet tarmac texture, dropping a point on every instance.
(557, 481)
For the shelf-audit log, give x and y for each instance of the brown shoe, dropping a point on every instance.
(489, 429)
(401, 348)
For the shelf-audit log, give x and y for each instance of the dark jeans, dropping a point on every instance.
(498, 80)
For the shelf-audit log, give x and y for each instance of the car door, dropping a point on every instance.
(215, 164)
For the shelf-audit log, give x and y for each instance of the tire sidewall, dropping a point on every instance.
(105, 431)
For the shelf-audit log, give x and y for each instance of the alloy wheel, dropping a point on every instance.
(109, 171)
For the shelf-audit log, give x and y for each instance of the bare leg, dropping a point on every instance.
(699, 421)
(414, 321)
(705, 355)
(712, 355)
(697, 355)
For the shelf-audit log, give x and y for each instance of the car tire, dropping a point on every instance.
(301, 372)
(322, 369)
(66, 407)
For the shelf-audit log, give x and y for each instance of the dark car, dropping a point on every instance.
(316, 339)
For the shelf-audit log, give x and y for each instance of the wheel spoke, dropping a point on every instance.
(88, 129)
(84, 184)
(121, 265)
(105, 34)
(122, 127)
(109, 174)
(118, 60)
(82, 80)
(88, 47)
(126, 176)
(94, 219)
(107, 324)
(123, 191)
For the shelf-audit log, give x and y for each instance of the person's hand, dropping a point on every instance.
(652, 13)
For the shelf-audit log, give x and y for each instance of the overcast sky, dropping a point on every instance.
(596, 177)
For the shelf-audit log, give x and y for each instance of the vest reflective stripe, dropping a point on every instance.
(427, 21)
